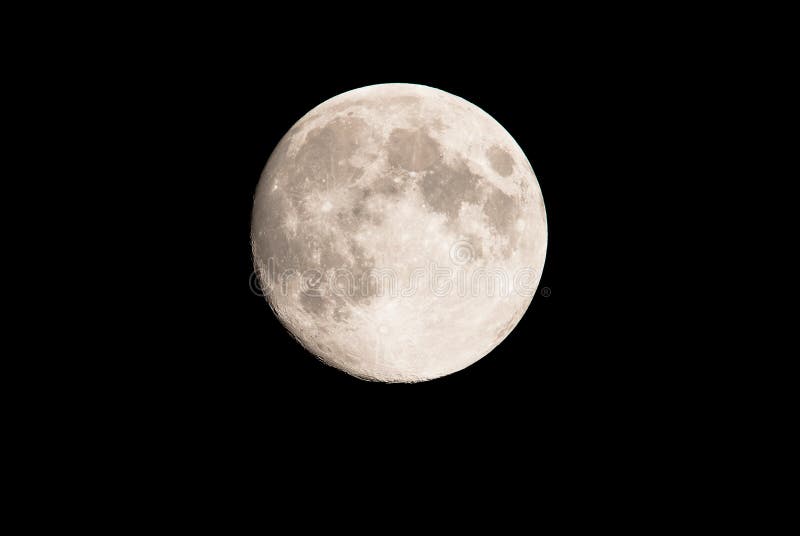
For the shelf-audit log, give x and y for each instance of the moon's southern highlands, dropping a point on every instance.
(398, 232)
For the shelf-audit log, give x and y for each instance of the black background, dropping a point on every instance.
(182, 377)
(209, 352)
(168, 378)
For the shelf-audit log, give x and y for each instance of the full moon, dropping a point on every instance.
(398, 232)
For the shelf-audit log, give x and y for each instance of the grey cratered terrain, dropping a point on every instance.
(399, 232)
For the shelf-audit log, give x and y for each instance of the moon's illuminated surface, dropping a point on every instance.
(399, 232)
